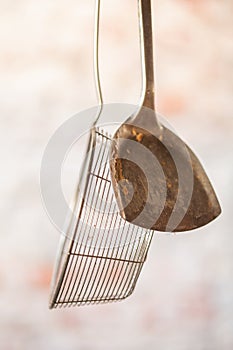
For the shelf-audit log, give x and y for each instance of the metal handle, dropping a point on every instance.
(146, 39)
(96, 61)
(146, 43)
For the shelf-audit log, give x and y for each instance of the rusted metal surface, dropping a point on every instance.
(160, 185)
(141, 187)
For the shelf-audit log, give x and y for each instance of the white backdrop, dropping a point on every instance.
(184, 295)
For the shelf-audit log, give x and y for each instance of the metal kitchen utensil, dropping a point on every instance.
(101, 256)
(158, 181)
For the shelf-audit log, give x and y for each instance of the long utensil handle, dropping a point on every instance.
(96, 61)
(146, 40)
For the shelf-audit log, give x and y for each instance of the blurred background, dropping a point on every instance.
(184, 297)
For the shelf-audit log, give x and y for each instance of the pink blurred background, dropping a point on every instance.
(184, 297)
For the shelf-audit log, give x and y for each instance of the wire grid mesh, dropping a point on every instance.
(103, 259)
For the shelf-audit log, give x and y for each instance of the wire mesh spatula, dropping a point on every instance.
(102, 256)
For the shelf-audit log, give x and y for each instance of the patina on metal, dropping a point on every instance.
(150, 193)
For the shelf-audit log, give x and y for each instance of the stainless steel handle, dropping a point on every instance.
(146, 40)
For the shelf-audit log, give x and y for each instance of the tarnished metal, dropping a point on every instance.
(173, 193)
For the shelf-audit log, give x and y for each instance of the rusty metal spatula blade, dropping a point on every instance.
(158, 181)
